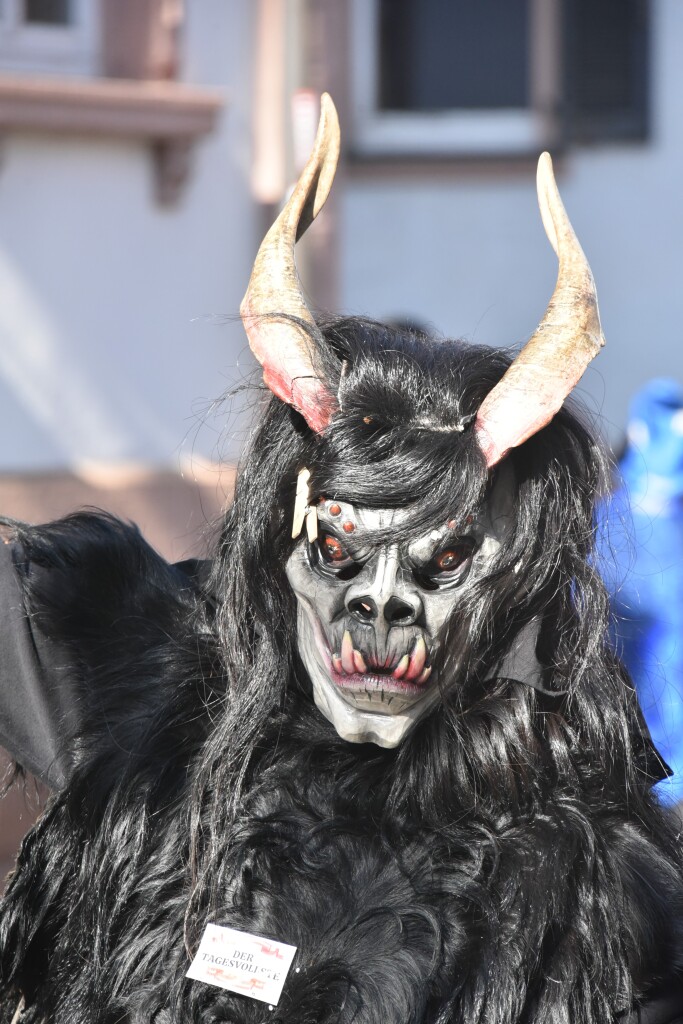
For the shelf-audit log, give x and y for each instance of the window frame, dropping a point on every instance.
(457, 133)
(72, 49)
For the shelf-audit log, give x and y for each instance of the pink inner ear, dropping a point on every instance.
(524, 401)
(288, 369)
(307, 395)
(505, 426)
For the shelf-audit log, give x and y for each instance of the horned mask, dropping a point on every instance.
(372, 612)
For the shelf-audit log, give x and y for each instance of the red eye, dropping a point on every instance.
(448, 559)
(332, 549)
(332, 558)
(452, 557)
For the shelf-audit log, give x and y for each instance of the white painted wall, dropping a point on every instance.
(113, 338)
(108, 349)
(469, 256)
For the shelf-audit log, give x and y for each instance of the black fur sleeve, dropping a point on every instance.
(38, 704)
(90, 616)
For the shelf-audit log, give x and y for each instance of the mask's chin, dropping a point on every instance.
(352, 724)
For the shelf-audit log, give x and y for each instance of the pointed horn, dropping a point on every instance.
(284, 350)
(552, 362)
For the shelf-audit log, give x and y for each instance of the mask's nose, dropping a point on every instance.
(385, 599)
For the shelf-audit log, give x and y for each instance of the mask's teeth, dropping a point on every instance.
(359, 662)
(417, 659)
(347, 654)
(424, 676)
(401, 668)
(337, 665)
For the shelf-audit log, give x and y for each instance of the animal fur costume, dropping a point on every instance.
(503, 860)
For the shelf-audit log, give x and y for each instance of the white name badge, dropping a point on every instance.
(239, 962)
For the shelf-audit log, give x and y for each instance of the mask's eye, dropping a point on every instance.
(331, 557)
(451, 558)
(332, 551)
(448, 565)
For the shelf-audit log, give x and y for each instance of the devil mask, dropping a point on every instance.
(375, 604)
(373, 610)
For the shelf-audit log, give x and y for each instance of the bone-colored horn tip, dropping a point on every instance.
(327, 104)
(325, 156)
(546, 189)
(329, 118)
(545, 163)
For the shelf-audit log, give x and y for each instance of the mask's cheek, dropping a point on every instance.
(440, 607)
(313, 648)
(326, 596)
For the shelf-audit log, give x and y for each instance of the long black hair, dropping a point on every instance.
(403, 439)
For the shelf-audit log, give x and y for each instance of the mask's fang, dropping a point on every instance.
(347, 654)
(417, 659)
(401, 668)
(359, 662)
(424, 676)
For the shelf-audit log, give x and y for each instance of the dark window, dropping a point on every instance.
(606, 47)
(476, 55)
(454, 54)
(47, 12)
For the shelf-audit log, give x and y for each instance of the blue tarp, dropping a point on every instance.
(640, 555)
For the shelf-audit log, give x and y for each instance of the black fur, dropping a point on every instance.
(507, 863)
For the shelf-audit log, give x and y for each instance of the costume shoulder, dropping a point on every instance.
(99, 634)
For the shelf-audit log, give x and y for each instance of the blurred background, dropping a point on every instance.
(145, 146)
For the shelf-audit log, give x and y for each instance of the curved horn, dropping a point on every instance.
(284, 350)
(552, 362)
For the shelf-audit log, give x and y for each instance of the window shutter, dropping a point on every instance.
(606, 69)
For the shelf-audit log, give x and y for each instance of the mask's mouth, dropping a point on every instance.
(402, 672)
(369, 695)
(388, 684)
